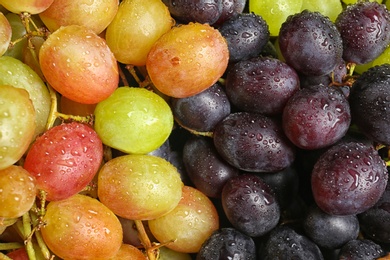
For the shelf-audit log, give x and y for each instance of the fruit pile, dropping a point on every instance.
(173, 129)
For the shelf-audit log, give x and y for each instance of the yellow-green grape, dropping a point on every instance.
(5, 33)
(329, 8)
(169, 254)
(383, 58)
(350, 2)
(275, 12)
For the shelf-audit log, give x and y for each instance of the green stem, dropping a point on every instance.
(4, 257)
(10, 246)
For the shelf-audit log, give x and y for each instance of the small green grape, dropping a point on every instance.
(329, 8)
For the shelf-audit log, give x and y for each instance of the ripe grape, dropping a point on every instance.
(250, 205)
(65, 159)
(139, 187)
(362, 249)
(246, 35)
(95, 16)
(316, 117)
(201, 11)
(129, 252)
(28, 6)
(15, 73)
(348, 178)
(230, 8)
(261, 85)
(5, 33)
(364, 29)
(17, 120)
(189, 224)
(133, 120)
(227, 243)
(17, 192)
(310, 43)
(149, 20)
(201, 112)
(81, 227)
(253, 142)
(182, 54)
(207, 170)
(79, 65)
(369, 102)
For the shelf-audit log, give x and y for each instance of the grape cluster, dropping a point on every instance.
(202, 129)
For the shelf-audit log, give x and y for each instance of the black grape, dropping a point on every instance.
(360, 249)
(262, 85)
(310, 43)
(370, 103)
(250, 205)
(316, 117)
(253, 142)
(348, 178)
(230, 8)
(207, 171)
(364, 28)
(202, 111)
(246, 35)
(227, 243)
(330, 231)
(285, 243)
(202, 11)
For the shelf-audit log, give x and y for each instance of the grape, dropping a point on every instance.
(79, 65)
(182, 54)
(330, 8)
(96, 16)
(81, 227)
(360, 249)
(363, 27)
(246, 35)
(316, 117)
(17, 192)
(275, 12)
(330, 231)
(201, 11)
(139, 187)
(286, 243)
(201, 112)
(253, 142)
(207, 171)
(29, 6)
(30, 53)
(70, 107)
(18, 32)
(348, 178)
(189, 224)
(65, 159)
(133, 120)
(369, 97)
(250, 205)
(227, 243)
(230, 8)
(310, 43)
(15, 73)
(17, 121)
(128, 252)
(261, 85)
(169, 254)
(149, 20)
(5, 32)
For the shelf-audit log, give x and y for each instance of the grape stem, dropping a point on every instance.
(10, 246)
(151, 253)
(4, 257)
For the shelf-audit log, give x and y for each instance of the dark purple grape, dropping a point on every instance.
(227, 243)
(375, 222)
(230, 8)
(370, 103)
(262, 85)
(361, 249)
(364, 28)
(202, 111)
(330, 231)
(246, 35)
(284, 243)
(316, 117)
(310, 43)
(250, 205)
(202, 11)
(348, 178)
(253, 142)
(207, 171)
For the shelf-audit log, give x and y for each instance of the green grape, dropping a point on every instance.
(350, 2)
(275, 12)
(17, 124)
(133, 120)
(139, 187)
(15, 73)
(383, 58)
(18, 31)
(169, 254)
(329, 8)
